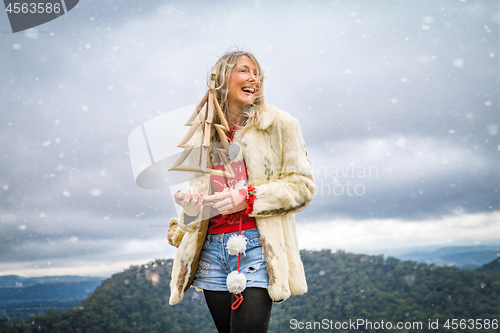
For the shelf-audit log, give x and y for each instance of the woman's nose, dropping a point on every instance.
(252, 77)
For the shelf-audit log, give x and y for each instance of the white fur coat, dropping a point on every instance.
(279, 168)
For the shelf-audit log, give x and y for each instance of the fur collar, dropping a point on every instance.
(267, 118)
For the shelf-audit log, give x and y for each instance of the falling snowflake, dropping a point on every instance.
(459, 62)
(95, 192)
(492, 129)
(31, 33)
(428, 20)
(401, 142)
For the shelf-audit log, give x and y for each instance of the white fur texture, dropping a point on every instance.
(236, 282)
(236, 244)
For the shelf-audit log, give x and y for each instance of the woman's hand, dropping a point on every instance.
(191, 203)
(231, 201)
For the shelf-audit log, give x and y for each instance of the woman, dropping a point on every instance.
(273, 155)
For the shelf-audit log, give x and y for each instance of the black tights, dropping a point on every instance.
(253, 315)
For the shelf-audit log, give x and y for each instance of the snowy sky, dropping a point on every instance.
(397, 100)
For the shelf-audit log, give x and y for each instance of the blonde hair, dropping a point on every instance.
(224, 67)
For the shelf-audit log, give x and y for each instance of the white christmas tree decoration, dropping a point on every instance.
(211, 103)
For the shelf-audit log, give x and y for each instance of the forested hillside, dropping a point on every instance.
(491, 267)
(342, 288)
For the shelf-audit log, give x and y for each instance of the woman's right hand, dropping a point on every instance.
(191, 203)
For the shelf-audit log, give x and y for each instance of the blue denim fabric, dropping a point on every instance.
(216, 263)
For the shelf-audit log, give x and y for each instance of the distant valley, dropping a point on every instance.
(23, 298)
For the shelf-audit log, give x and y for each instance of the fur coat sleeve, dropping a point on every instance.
(278, 165)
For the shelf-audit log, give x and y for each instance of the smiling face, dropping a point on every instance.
(244, 84)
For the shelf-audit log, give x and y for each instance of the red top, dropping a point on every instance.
(230, 223)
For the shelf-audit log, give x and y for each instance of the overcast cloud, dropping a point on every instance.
(397, 100)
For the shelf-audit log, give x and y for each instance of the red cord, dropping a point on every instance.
(239, 297)
(237, 303)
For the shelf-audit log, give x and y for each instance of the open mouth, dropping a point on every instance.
(249, 90)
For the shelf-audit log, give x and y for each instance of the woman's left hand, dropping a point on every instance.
(231, 201)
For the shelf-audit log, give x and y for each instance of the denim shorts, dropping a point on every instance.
(216, 263)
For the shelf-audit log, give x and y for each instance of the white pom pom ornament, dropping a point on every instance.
(236, 244)
(236, 282)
